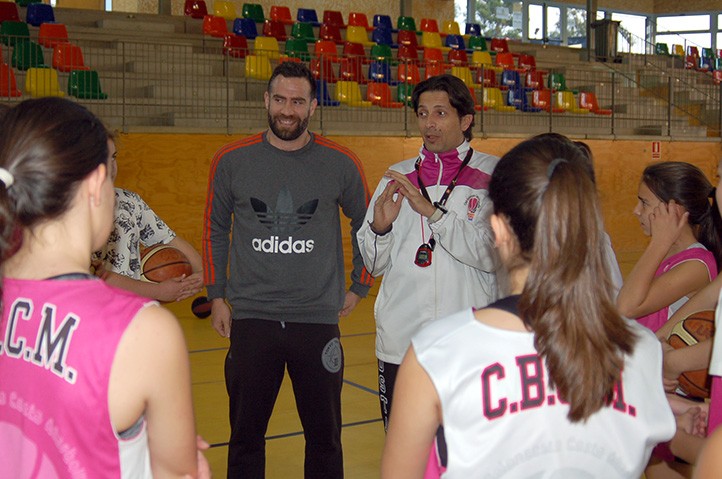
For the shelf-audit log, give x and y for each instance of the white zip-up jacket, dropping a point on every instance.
(461, 274)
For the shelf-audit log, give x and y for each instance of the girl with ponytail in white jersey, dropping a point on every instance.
(550, 381)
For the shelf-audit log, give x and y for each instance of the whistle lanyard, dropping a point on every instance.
(449, 188)
(425, 251)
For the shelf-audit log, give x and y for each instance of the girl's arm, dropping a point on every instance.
(151, 376)
(642, 293)
(415, 417)
(710, 460)
(690, 358)
(703, 300)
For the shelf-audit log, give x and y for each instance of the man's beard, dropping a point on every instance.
(287, 135)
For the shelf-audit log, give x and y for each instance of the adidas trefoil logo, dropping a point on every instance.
(282, 222)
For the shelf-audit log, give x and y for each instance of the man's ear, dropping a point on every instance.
(466, 122)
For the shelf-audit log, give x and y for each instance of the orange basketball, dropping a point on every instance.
(691, 330)
(160, 262)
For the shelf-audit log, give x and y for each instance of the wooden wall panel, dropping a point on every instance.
(171, 173)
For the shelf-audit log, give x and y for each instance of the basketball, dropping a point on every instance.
(201, 307)
(691, 330)
(161, 262)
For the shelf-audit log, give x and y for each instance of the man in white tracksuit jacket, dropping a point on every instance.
(430, 239)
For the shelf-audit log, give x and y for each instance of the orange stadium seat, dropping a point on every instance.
(67, 57)
(8, 86)
(357, 19)
(380, 94)
(333, 17)
(50, 34)
(195, 8)
(281, 14)
(214, 26)
(588, 100)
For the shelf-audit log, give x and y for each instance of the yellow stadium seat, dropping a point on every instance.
(464, 74)
(484, 58)
(566, 101)
(356, 34)
(42, 82)
(432, 40)
(267, 47)
(349, 93)
(450, 27)
(258, 67)
(224, 9)
(493, 99)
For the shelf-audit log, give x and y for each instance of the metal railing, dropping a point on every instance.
(194, 84)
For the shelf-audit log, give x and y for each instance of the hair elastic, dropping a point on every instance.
(553, 165)
(6, 177)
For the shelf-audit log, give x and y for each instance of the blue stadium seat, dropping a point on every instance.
(245, 27)
(308, 15)
(382, 36)
(322, 95)
(39, 13)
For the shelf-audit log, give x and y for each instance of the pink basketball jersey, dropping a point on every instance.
(58, 339)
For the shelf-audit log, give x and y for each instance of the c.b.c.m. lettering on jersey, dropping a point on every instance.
(52, 343)
(534, 390)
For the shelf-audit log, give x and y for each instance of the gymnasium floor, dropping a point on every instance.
(362, 434)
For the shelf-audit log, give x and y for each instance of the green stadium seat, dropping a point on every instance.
(298, 48)
(406, 23)
(254, 11)
(11, 32)
(303, 31)
(27, 54)
(661, 49)
(85, 84)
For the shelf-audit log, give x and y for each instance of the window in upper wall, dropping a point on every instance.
(554, 24)
(631, 32)
(535, 25)
(499, 18)
(576, 26)
(460, 13)
(683, 23)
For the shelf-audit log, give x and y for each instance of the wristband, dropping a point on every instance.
(380, 233)
(438, 213)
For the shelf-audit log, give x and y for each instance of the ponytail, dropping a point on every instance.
(710, 230)
(48, 146)
(567, 299)
(542, 188)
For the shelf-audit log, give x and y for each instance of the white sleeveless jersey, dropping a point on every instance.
(502, 420)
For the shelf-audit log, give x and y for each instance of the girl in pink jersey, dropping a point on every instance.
(95, 380)
(675, 209)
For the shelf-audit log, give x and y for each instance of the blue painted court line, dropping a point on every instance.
(209, 350)
(206, 350)
(300, 433)
(363, 388)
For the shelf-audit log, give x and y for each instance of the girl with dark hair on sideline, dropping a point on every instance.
(677, 209)
(550, 381)
(95, 380)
